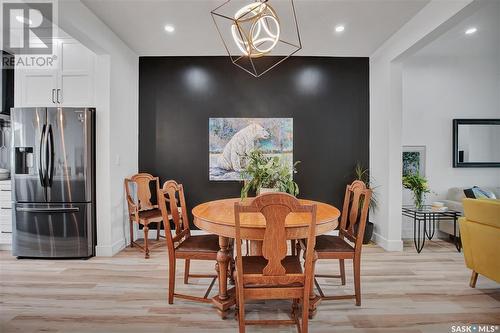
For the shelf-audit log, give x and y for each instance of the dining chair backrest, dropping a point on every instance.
(355, 212)
(275, 207)
(143, 190)
(172, 194)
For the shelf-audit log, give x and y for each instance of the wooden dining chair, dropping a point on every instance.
(183, 245)
(274, 275)
(348, 244)
(142, 211)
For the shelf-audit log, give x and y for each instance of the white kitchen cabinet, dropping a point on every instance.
(75, 79)
(36, 87)
(5, 215)
(70, 83)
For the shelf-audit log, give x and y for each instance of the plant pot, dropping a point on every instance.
(367, 237)
(262, 190)
(368, 233)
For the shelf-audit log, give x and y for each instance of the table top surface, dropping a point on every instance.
(222, 212)
(427, 209)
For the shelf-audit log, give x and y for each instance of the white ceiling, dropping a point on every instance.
(485, 42)
(140, 24)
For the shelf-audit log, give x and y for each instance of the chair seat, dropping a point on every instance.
(151, 214)
(326, 243)
(200, 243)
(256, 264)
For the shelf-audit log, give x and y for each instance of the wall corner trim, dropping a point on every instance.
(395, 245)
(110, 250)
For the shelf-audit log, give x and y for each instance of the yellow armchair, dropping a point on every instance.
(480, 234)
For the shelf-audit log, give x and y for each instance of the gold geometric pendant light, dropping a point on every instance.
(258, 35)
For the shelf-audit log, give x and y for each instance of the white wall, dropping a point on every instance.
(437, 89)
(386, 113)
(117, 117)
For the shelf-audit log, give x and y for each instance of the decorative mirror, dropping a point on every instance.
(476, 143)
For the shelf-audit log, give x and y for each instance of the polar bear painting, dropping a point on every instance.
(240, 145)
(231, 139)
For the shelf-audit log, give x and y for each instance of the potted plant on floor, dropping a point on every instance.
(418, 186)
(363, 174)
(268, 174)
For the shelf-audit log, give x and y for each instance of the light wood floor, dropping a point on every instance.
(402, 292)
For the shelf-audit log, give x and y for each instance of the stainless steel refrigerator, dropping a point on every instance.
(53, 172)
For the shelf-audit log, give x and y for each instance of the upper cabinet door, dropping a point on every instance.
(69, 83)
(35, 88)
(76, 68)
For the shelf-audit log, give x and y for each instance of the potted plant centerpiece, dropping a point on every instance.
(363, 174)
(268, 174)
(418, 185)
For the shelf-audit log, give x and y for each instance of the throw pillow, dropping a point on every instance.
(469, 193)
(478, 193)
(483, 193)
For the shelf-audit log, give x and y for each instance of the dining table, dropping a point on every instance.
(217, 217)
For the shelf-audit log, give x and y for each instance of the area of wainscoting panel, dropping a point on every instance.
(402, 292)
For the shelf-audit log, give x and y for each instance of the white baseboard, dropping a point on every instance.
(5, 247)
(110, 250)
(388, 244)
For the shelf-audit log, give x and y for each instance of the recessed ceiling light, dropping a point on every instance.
(169, 28)
(339, 28)
(470, 31)
(23, 20)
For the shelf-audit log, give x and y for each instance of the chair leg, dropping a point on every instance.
(158, 227)
(171, 280)
(342, 271)
(295, 307)
(186, 271)
(146, 248)
(241, 313)
(305, 313)
(131, 233)
(473, 279)
(295, 314)
(357, 279)
(236, 306)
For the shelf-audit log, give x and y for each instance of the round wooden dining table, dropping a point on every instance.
(217, 217)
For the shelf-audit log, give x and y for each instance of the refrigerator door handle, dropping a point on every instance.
(50, 162)
(42, 155)
(53, 92)
(48, 210)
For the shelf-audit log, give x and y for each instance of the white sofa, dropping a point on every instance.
(454, 202)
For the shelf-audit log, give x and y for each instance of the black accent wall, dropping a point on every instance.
(328, 99)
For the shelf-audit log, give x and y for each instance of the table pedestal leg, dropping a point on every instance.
(225, 299)
(232, 263)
